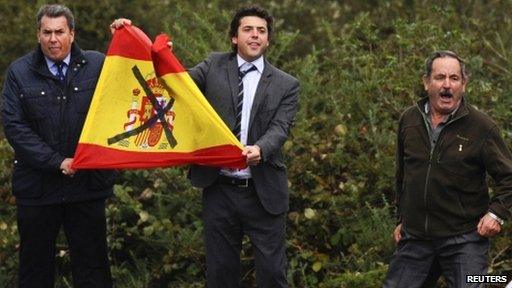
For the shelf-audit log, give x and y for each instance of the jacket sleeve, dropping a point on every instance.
(279, 127)
(498, 163)
(399, 172)
(28, 146)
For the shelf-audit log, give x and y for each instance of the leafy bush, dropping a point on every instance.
(359, 65)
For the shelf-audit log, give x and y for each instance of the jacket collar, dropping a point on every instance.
(260, 94)
(233, 79)
(261, 91)
(462, 111)
(38, 62)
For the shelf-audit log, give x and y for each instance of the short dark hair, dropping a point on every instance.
(442, 54)
(249, 11)
(54, 11)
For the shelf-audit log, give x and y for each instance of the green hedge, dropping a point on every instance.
(359, 65)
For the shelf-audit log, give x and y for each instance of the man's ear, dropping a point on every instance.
(426, 81)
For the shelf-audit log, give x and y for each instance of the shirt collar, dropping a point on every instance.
(259, 63)
(50, 62)
(448, 118)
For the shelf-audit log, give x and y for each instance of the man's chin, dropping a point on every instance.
(447, 109)
(55, 57)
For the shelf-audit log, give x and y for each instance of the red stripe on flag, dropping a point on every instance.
(228, 156)
(164, 60)
(130, 42)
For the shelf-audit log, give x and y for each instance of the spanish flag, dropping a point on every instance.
(147, 112)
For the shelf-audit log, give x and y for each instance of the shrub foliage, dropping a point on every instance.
(359, 65)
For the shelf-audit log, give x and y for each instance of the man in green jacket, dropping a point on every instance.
(445, 149)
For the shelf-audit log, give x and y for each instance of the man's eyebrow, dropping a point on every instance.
(252, 26)
(50, 30)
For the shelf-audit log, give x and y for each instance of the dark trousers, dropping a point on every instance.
(415, 260)
(85, 229)
(229, 212)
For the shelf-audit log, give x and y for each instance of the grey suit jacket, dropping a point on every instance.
(272, 115)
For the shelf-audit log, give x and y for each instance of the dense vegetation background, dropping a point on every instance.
(359, 63)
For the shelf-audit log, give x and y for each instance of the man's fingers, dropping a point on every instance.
(397, 233)
(488, 227)
(252, 154)
(120, 22)
(253, 159)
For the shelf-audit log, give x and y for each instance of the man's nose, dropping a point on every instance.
(255, 33)
(53, 37)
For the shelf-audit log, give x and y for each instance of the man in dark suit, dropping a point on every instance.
(252, 201)
(258, 102)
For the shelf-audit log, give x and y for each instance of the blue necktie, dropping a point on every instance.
(240, 103)
(60, 72)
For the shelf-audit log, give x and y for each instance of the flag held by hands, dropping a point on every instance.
(147, 112)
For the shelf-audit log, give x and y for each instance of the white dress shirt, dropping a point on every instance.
(251, 81)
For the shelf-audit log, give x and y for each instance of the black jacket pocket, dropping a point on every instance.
(26, 181)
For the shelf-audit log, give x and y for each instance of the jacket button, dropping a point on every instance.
(21, 95)
(42, 92)
(58, 98)
(76, 88)
(64, 98)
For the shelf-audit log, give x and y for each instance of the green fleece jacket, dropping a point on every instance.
(442, 190)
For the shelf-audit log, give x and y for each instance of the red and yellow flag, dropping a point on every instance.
(141, 119)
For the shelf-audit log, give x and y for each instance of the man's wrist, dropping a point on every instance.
(496, 217)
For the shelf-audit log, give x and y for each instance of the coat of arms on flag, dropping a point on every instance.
(143, 121)
(140, 118)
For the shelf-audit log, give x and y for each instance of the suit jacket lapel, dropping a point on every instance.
(260, 94)
(233, 80)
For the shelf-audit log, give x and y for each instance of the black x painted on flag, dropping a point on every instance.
(160, 115)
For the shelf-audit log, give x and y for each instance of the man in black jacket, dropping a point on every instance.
(46, 97)
(445, 149)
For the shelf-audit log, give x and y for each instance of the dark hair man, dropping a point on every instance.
(258, 102)
(445, 149)
(46, 97)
